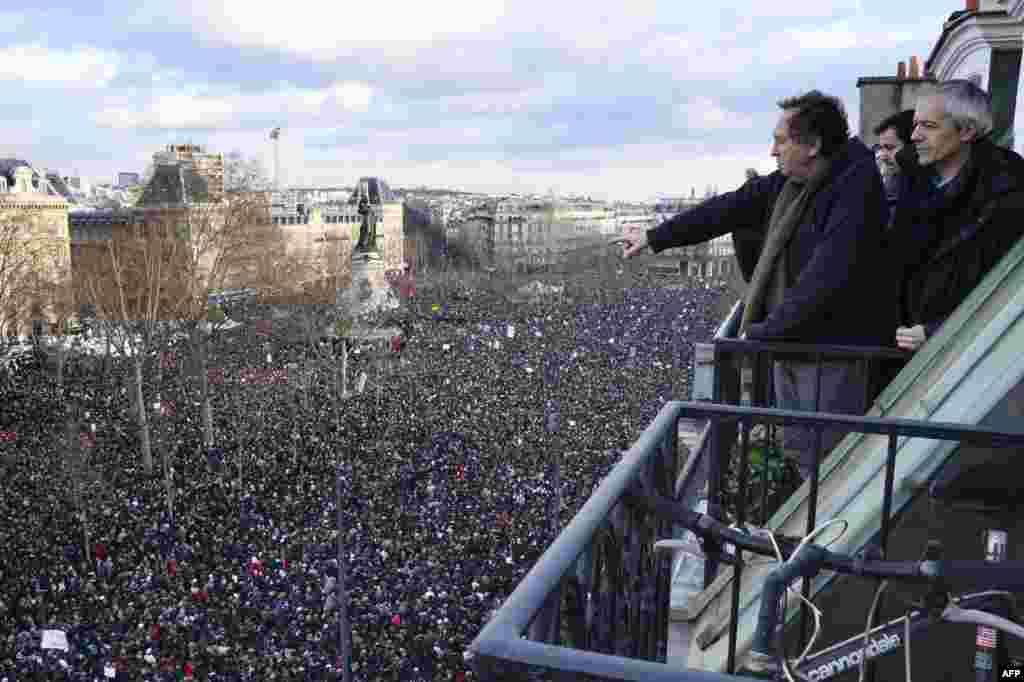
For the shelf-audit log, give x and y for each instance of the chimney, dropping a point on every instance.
(972, 5)
(23, 179)
(915, 68)
(901, 71)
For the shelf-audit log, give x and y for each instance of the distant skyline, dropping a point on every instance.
(618, 101)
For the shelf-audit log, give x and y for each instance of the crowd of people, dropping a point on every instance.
(445, 492)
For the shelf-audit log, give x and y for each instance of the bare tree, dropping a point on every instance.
(243, 173)
(225, 242)
(25, 254)
(54, 291)
(137, 286)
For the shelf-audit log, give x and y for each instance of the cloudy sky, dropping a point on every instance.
(484, 95)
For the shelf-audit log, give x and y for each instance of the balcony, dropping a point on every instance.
(601, 605)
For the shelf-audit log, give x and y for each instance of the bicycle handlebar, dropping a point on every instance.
(955, 614)
(805, 561)
(715, 531)
(804, 564)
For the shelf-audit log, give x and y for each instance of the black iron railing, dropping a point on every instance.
(744, 376)
(614, 590)
(596, 602)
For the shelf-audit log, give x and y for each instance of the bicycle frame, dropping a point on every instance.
(882, 640)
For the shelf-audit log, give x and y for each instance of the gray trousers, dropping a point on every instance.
(842, 392)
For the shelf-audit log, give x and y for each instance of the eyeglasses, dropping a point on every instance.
(890, 148)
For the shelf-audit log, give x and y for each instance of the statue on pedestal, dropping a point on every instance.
(368, 230)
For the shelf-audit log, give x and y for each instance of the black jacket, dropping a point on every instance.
(946, 242)
(837, 292)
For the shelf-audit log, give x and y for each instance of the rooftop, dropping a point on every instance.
(174, 184)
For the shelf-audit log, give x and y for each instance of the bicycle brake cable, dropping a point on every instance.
(814, 609)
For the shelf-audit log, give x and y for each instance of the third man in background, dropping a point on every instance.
(893, 138)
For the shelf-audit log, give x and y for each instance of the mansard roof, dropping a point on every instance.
(174, 184)
(104, 217)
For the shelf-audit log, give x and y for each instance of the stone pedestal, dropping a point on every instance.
(369, 291)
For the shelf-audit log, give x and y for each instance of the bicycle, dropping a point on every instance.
(801, 558)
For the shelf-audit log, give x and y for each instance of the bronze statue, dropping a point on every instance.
(368, 229)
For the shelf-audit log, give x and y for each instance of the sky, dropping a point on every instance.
(611, 99)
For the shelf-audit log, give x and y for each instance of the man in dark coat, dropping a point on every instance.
(814, 228)
(962, 211)
(833, 252)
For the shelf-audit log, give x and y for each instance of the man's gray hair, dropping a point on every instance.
(967, 104)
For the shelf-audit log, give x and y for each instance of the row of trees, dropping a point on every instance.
(153, 279)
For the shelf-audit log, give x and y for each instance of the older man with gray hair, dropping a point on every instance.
(962, 211)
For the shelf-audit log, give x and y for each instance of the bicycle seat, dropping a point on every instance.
(992, 485)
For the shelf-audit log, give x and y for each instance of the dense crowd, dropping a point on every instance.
(445, 493)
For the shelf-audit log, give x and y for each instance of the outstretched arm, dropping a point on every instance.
(746, 208)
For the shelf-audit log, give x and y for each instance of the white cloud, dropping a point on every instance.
(77, 67)
(802, 10)
(705, 114)
(494, 103)
(327, 30)
(498, 79)
(694, 55)
(836, 37)
(634, 172)
(846, 35)
(170, 111)
(190, 111)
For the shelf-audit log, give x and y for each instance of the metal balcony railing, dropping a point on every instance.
(739, 372)
(743, 375)
(594, 606)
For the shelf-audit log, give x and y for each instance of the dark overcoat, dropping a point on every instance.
(840, 288)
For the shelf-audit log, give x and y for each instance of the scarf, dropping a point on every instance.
(768, 284)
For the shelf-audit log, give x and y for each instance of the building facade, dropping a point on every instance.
(522, 233)
(113, 252)
(35, 243)
(983, 42)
